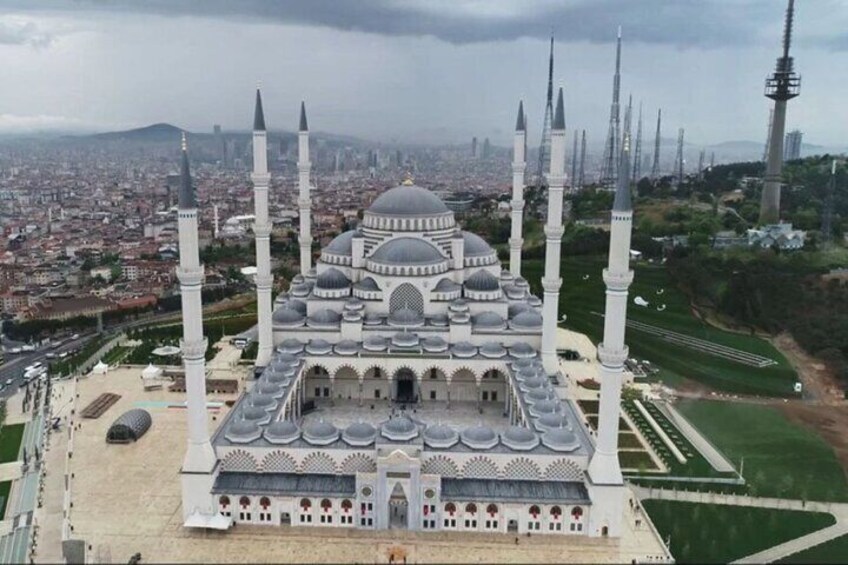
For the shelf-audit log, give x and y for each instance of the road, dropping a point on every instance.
(13, 368)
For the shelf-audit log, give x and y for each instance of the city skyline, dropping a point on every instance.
(99, 58)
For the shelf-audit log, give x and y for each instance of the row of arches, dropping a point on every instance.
(479, 467)
(348, 371)
(492, 509)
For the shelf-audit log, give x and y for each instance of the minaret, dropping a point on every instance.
(655, 167)
(262, 230)
(545, 147)
(582, 180)
(637, 152)
(199, 461)
(519, 164)
(604, 471)
(304, 201)
(572, 185)
(782, 86)
(610, 165)
(552, 282)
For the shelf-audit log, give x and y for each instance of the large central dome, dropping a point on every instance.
(408, 200)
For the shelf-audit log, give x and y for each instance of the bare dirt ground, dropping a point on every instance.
(819, 382)
(829, 422)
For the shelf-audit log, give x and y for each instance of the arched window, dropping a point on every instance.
(577, 513)
(534, 511)
(347, 505)
(471, 508)
(450, 508)
(305, 504)
(244, 502)
(492, 509)
(265, 502)
(326, 505)
(556, 512)
(224, 501)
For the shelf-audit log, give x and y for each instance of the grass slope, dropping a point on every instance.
(5, 489)
(712, 533)
(782, 459)
(581, 299)
(833, 551)
(10, 442)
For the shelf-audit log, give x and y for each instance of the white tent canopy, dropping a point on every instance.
(100, 368)
(151, 372)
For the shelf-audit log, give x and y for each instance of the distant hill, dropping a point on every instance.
(150, 134)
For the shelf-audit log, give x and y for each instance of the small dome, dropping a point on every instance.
(447, 285)
(507, 276)
(332, 279)
(407, 251)
(282, 432)
(521, 282)
(264, 401)
(243, 431)
(349, 316)
(537, 395)
(367, 284)
(439, 320)
(318, 347)
(405, 339)
(296, 304)
(283, 358)
(519, 438)
(458, 305)
(375, 343)
(522, 350)
(399, 428)
(464, 349)
(523, 363)
(530, 372)
(359, 434)
(354, 305)
(408, 200)
(545, 407)
(279, 378)
(529, 320)
(482, 281)
(406, 317)
(301, 290)
(281, 299)
(492, 350)
(290, 346)
(513, 292)
(373, 319)
(255, 414)
(440, 436)
(341, 244)
(298, 279)
(460, 317)
(324, 317)
(533, 383)
(434, 344)
(517, 308)
(534, 301)
(347, 347)
(479, 437)
(560, 439)
(286, 316)
(475, 246)
(320, 433)
(269, 388)
(488, 320)
(551, 421)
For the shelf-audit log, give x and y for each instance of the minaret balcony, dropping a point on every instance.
(517, 205)
(262, 230)
(617, 281)
(260, 179)
(551, 285)
(519, 168)
(554, 232)
(612, 357)
(304, 203)
(304, 166)
(194, 349)
(516, 243)
(555, 182)
(264, 282)
(190, 276)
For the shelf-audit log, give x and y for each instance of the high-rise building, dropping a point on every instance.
(474, 147)
(792, 145)
(487, 148)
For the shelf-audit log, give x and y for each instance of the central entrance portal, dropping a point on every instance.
(398, 508)
(405, 387)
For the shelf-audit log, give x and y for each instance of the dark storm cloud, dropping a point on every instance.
(683, 23)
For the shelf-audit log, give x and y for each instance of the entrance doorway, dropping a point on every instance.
(405, 383)
(512, 527)
(398, 508)
(285, 519)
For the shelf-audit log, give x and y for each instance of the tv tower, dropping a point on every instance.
(701, 158)
(637, 151)
(782, 86)
(678, 160)
(827, 230)
(655, 168)
(609, 168)
(768, 135)
(582, 180)
(574, 163)
(545, 147)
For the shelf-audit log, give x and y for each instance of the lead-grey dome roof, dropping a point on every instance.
(347, 347)
(332, 278)
(367, 284)
(464, 349)
(405, 317)
(474, 245)
(522, 350)
(255, 414)
(519, 438)
(560, 439)
(446, 285)
(479, 437)
(434, 344)
(407, 251)
(318, 347)
(551, 421)
(545, 407)
(375, 343)
(492, 350)
(287, 316)
(489, 320)
(359, 434)
(440, 436)
(320, 433)
(408, 200)
(270, 388)
(399, 428)
(282, 432)
(405, 339)
(341, 244)
(528, 320)
(243, 431)
(325, 317)
(483, 281)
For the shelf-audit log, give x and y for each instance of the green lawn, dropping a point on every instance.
(712, 533)
(833, 551)
(10, 442)
(5, 488)
(782, 459)
(582, 299)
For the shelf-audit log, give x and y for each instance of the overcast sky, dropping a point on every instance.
(416, 70)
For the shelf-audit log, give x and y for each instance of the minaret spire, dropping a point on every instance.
(262, 231)
(545, 147)
(655, 167)
(609, 170)
(519, 165)
(637, 151)
(304, 201)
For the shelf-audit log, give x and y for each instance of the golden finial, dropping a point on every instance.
(184, 143)
(408, 181)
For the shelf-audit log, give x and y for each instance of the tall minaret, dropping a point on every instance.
(609, 168)
(604, 470)
(545, 147)
(551, 282)
(262, 230)
(304, 202)
(782, 86)
(199, 461)
(519, 164)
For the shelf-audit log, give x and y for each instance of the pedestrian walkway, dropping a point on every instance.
(792, 547)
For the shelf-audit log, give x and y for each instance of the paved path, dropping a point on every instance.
(710, 453)
(838, 510)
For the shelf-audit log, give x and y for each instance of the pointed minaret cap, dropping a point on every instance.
(623, 202)
(303, 126)
(519, 122)
(258, 114)
(559, 114)
(187, 198)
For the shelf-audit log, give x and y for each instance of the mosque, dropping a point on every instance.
(407, 380)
